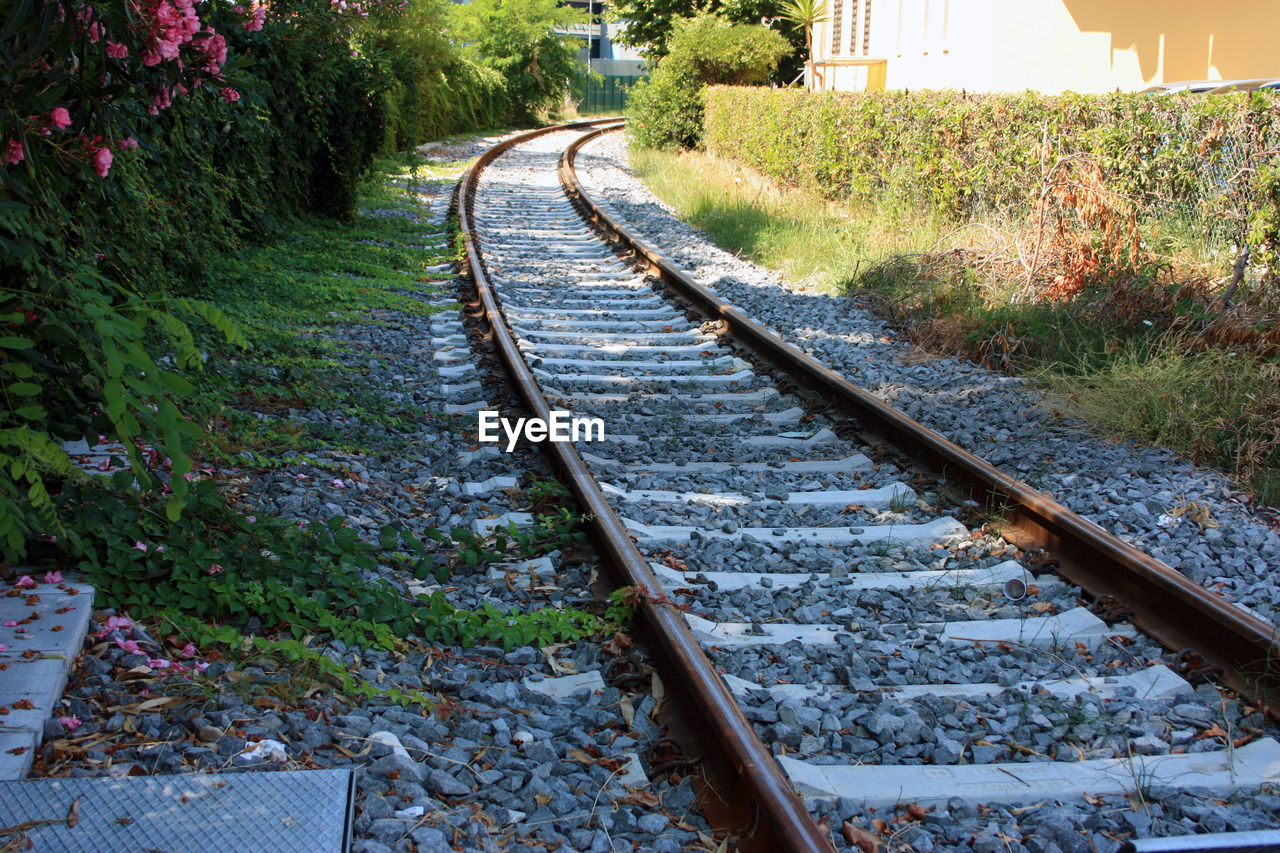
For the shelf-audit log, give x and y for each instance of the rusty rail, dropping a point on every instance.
(1178, 613)
(781, 822)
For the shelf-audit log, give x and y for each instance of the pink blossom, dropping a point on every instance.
(158, 663)
(215, 569)
(202, 666)
(258, 14)
(53, 577)
(4, 647)
(130, 646)
(252, 519)
(128, 144)
(140, 546)
(116, 50)
(150, 58)
(338, 484)
(102, 161)
(60, 118)
(95, 31)
(230, 95)
(14, 155)
(71, 723)
(123, 623)
(26, 582)
(11, 624)
(189, 650)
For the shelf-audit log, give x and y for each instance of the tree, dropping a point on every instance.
(806, 14)
(524, 41)
(666, 110)
(650, 24)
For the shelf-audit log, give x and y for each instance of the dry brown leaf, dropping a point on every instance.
(915, 811)
(860, 838)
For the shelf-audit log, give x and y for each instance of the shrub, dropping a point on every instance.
(666, 111)
(523, 41)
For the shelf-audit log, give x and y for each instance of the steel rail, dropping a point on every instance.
(781, 821)
(1167, 605)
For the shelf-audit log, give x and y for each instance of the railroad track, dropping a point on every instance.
(851, 638)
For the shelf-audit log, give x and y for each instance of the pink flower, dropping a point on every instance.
(11, 624)
(4, 647)
(215, 569)
(14, 155)
(130, 646)
(71, 723)
(202, 666)
(230, 95)
(258, 14)
(140, 547)
(102, 161)
(123, 623)
(53, 577)
(158, 663)
(115, 50)
(60, 118)
(128, 144)
(189, 650)
(338, 484)
(26, 582)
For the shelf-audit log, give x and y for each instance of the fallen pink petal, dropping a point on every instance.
(26, 582)
(71, 723)
(53, 577)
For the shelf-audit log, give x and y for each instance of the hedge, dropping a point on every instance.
(1205, 159)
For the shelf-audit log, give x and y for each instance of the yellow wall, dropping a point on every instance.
(1056, 45)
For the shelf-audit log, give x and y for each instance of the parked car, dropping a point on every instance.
(1271, 83)
(1182, 86)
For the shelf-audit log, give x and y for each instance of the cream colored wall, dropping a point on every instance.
(1056, 45)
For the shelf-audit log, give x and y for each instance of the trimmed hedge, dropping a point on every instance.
(1203, 158)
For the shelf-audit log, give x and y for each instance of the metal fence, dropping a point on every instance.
(607, 94)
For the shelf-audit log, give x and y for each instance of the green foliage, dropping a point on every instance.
(666, 110)
(522, 41)
(429, 88)
(651, 25)
(971, 155)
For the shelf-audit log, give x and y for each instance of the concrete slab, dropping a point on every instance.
(17, 749)
(688, 379)
(665, 313)
(940, 530)
(728, 401)
(724, 362)
(1077, 625)
(460, 389)
(39, 681)
(567, 685)
(1040, 632)
(849, 464)
(466, 408)
(492, 484)
(1250, 766)
(993, 576)
(539, 566)
(1153, 682)
(536, 335)
(456, 371)
(49, 632)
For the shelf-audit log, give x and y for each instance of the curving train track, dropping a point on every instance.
(860, 623)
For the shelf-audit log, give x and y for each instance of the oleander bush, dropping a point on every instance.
(141, 143)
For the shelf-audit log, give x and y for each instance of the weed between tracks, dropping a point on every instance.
(1128, 328)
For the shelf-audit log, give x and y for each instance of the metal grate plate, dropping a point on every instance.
(308, 811)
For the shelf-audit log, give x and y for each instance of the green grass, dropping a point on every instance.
(1104, 360)
(806, 240)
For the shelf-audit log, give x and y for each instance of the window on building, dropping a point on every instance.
(837, 27)
(866, 27)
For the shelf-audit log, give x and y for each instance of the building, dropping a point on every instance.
(1047, 45)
